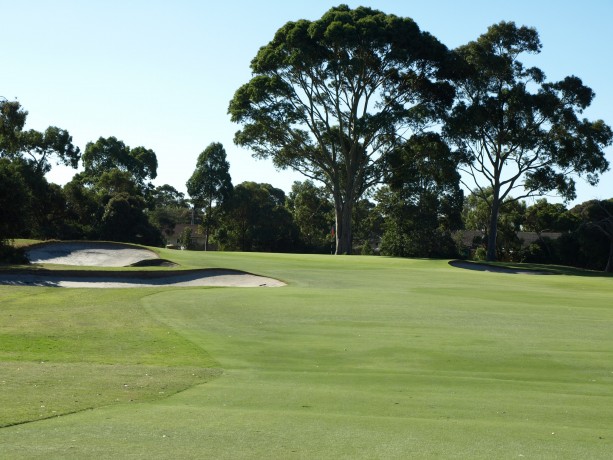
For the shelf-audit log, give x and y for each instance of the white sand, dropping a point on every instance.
(88, 254)
(217, 278)
(93, 254)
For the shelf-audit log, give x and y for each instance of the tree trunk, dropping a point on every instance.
(493, 228)
(609, 267)
(207, 226)
(343, 228)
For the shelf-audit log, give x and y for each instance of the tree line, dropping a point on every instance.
(386, 124)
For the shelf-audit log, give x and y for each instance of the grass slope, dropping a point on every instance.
(358, 357)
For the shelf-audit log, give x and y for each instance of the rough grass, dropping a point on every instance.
(358, 357)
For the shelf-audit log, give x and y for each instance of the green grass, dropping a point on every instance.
(358, 357)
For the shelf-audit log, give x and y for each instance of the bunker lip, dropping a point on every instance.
(493, 268)
(113, 279)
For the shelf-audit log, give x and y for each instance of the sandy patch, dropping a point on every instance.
(89, 254)
(72, 279)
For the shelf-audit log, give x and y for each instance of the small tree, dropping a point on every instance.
(185, 239)
(210, 183)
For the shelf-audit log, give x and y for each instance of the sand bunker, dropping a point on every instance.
(87, 279)
(94, 254)
(89, 254)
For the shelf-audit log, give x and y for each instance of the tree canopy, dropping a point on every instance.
(331, 98)
(27, 201)
(107, 154)
(211, 179)
(423, 203)
(35, 147)
(598, 215)
(517, 131)
(312, 212)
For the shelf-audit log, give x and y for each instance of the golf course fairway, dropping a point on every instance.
(357, 357)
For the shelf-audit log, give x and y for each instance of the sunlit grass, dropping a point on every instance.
(65, 350)
(358, 357)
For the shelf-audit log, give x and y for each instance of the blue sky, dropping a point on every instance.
(160, 74)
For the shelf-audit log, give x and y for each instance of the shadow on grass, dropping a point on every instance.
(527, 269)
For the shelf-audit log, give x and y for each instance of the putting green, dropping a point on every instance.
(358, 357)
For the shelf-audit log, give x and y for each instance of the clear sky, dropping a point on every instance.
(161, 73)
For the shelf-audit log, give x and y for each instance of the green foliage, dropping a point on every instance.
(11, 255)
(313, 214)
(597, 218)
(586, 240)
(54, 141)
(366, 226)
(83, 209)
(185, 239)
(124, 220)
(476, 215)
(329, 98)
(423, 204)
(15, 198)
(33, 146)
(29, 205)
(166, 196)
(548, 217)
(167, 207)
(106, 155)
(256, 219)
(210, 183)
(211, 180)
(12, 120)
(516, 131)
(480, 254)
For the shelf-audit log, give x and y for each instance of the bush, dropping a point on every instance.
(12, 255)
(480, 254)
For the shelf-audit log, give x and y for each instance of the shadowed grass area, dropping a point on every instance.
(358, 357)
(545, 269)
